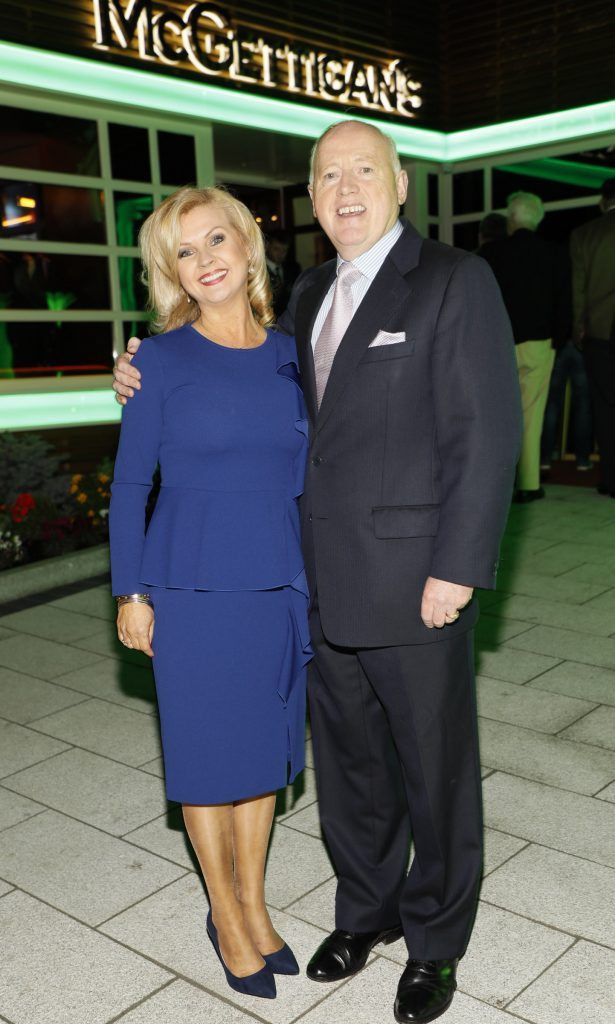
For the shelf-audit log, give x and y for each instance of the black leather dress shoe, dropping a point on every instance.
(524, 497)
(425, 990)
(343, 954)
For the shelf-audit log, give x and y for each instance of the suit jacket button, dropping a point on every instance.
(316, 461)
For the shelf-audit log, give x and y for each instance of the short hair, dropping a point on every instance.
(393, 154)
(493, 227)
(608, 190)
(525, 209)
(278, 235)
(159, 240)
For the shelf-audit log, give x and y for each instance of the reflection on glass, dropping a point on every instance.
(550, 179)
(302, 211)
(50, 281)
(129, 152)
(176, 157)
(465, 236)
(54, 350)
(130, 212)
(468, 192)
(51, 212)
(49, 142)
(133, 291)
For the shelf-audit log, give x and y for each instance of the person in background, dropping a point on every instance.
(407, 365)
(592, 251)
(492, 228)
(569, 366)
(283, 272)
(215, 591)
(534, 278)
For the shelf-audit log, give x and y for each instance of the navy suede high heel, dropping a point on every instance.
(260, 984)
(282, 961)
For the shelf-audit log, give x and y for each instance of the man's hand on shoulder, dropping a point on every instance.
(442, 602)
(127, 378)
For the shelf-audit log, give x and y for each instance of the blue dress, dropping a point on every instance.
(221, 557)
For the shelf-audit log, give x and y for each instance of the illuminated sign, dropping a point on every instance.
(205, 40)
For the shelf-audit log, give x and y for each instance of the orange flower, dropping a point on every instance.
(76, 477)
(73, 489)
(103, 478)
(90, 513)
(82, 497)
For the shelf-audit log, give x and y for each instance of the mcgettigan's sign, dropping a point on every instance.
(201, 36)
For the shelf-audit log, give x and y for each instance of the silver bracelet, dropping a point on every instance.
(133, 599)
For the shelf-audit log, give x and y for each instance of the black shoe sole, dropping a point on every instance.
(423, 1020)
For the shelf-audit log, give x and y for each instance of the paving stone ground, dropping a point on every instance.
(102, 911)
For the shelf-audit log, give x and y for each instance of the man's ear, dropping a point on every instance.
(310, 189)
(402, 187)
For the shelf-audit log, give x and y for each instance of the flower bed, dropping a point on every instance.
(43, 510)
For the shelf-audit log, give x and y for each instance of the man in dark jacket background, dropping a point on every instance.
(592, 249)
(534, 277)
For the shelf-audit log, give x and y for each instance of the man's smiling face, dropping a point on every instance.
(356, 192)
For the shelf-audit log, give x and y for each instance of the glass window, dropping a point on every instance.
(129, 152)
(465, 236)
(303, 215)
(133, 291)
(34, 280)
(139, 327)
(56, 349)
(176, 157)
(49, 142)
(56, 213)
(130, 212)
(468, 195)
(434, 232)
(550, 179)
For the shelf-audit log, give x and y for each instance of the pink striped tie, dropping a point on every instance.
(334, 327)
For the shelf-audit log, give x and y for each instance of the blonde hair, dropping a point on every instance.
(524, 210)
(159, 240)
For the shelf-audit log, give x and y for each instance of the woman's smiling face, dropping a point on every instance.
(212, 259)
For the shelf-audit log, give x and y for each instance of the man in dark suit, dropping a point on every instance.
(283, 270)
(534, 276)
(592, 249)
(408, 370)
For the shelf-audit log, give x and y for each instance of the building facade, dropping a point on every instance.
(107, 106)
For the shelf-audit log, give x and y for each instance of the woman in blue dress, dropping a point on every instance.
(215, 591)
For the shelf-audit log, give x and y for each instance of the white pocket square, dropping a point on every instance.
(387, 338)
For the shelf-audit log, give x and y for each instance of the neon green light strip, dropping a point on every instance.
(58, 409)
(40, 69)
(567, 171)
(79, 77)
(545, 129)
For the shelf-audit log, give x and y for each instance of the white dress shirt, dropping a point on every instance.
(369, 264)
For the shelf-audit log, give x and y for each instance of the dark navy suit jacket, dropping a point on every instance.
(413, 450)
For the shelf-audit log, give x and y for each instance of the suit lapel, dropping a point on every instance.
(308, 306)
(388, 291)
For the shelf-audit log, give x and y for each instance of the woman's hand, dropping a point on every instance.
(135, 627)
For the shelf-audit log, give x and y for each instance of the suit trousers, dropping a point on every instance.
(534, 362)
(396, 757)
(600, 362)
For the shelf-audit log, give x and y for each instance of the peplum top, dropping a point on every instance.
(228, 429)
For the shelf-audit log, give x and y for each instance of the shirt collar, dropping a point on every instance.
(369, 262)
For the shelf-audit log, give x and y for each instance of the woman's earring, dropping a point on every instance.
(189, 297)
(250, 269)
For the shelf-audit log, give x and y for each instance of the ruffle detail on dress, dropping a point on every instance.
(222, 540)
(287, 365)
(292, 676)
